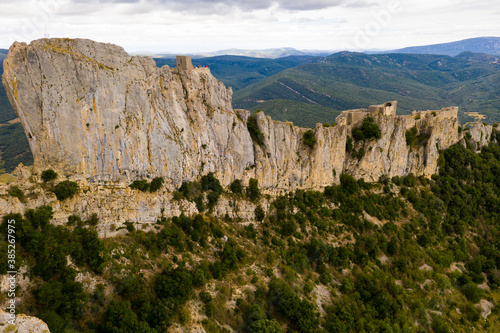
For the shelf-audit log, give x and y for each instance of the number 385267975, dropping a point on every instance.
(11, 238)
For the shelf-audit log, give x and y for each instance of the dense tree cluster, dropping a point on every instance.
(366, 244)
(194, 191)
(143, 185)
(59, 299)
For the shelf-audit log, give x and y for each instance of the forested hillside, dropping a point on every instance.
(14, 147)
(6, 112)
(401, 255)
(352, 80)
(238, 72)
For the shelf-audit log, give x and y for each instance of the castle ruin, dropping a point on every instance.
(354, 117)
(184, 62)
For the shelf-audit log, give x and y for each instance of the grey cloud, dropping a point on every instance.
(244, 5)
(310, 5)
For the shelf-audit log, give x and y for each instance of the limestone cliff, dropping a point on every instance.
(92, 112)
(23, 324)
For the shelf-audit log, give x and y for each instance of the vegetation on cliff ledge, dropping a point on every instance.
(254, 131)
(368, 130)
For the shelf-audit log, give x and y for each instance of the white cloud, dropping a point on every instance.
(207, 25)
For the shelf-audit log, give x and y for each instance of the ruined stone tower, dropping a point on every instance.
(184, 62)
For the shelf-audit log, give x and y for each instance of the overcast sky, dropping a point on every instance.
(183, 26)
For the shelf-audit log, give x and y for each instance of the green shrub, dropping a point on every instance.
(254, 131)
(200, 205)
(472, 292)
(210, 182)
(253, 192)
(156, 184)
(39, 217)
(141, 185)
(205, 296)
(409, 180)
(259, 213)
(236, 187)
(309, 139)
(359, 153)
(130, 226)
(16, 192)
(209, 309)
(410, 136)
(94, 220)
(348, 183)
(190, 190)
(48, 175)
(257, 321)
(301, 313)
(412, 139)
(65, 189)
(184, 316)
(369, 129)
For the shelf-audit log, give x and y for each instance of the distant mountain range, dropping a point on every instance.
(318, 91)
(488, 45)
(266, 53)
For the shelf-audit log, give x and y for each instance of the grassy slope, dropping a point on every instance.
(353, 80)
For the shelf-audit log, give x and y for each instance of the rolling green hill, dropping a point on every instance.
(353, 80)
(238, 72)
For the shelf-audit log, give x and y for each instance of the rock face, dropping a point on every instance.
(23, 324)
(92, 112)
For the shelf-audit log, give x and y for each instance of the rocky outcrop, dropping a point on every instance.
(480, 134)
(93, 113)
(23, 323)
(392, 156)
(116, 204)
